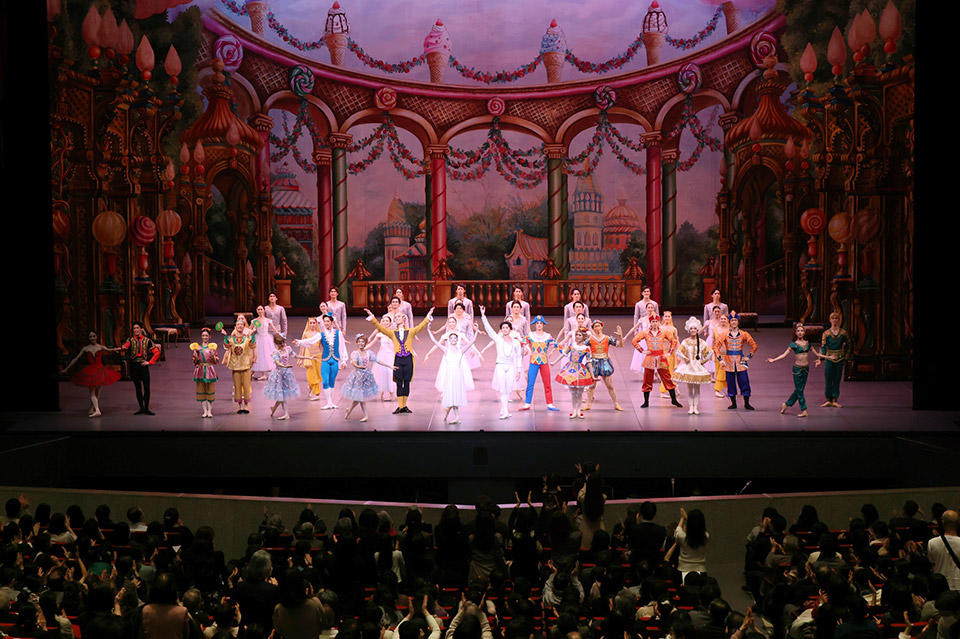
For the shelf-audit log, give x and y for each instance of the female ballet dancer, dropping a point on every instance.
(310, 357)
(467, 326)
(643, 324)
(204, 373)
(361, 385)
(94, 375)
(281, 385)
(692, 354)
(717, 332)
(801, 348)
(505, 372)
(575, 372)
(524, 305)
(835, 345)
(263, 326)
(578, 321)
(384, 374)
(333, 351)
(600, 359)
(454, 378)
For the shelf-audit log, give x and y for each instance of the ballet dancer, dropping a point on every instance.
(835, 345)
(384, 374)
(361, 384)
(524, 305)
(141, 353)
(801, 348)
(539, 344)
(730, 349)
(692, 355)
(714, 303)
(600, 358)
(333, 351)
(403, 357)
(239, 355)
(337, 308)
(505, 372)
(281, 384)
(276, 313)
(460, 297)
(575, 373)
(454, 378)
(569, 309)
(659, 344)
(204, 374)
(666, 324)
(263, 326)
(310, 358)
(94, 375)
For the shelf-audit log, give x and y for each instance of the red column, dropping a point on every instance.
(654, 222)
(324, 221)
(438, 205)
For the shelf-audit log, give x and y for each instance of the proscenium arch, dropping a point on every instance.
(583, 120)
(507, 123)
(407, 120)
(290, 101)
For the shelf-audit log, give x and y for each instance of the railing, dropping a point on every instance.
(221, 279)
(612, 294)
(772, 277)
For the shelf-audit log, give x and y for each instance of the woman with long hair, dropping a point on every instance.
(691, 536)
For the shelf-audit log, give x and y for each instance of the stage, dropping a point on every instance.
(867, 406)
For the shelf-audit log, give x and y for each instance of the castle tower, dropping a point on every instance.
(396, 239)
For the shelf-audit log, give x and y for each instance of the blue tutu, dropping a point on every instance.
(281, 385)
(361, 386)
(602, 367)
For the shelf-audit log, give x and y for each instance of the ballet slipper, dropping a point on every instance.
(802, 413)
(719, 395)
(837, 405)
(783, 408)
(284, 416)
(690, 411)
(95, 414)
(581, 415)
(617, 407)
(364, 418)
(573, 415)
(826, 404)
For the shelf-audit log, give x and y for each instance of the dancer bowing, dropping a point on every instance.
(454, 378)
(600, 357)
(659, 344)
(239, 355)
(204, 374)
(730, 349)
(333, 351)
(361, 385)
(692, 355)
(281, 385)
(94, 375)
(403, 357)
(539, 343)
(575, 372)
(137, 350)
(505, 372)
(800, 347)
(835, 344)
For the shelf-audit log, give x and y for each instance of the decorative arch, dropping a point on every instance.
(287, 99)
(508, 123)
(670, 112)
(583, 120)
(405, 119)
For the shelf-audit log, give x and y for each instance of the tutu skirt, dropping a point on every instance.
(281, 385)
(693, 373)
(574, 374)
(265, 348)
(382, 374)
(94, 375)
(602, 367)
(361, 385)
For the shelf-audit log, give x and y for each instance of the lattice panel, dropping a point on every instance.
(649, 97)
(900, 100)
(343, 99)
(442, 114)
(265, 76)
(724, 75)
(205, 52)
(77, 101)
(550, 114)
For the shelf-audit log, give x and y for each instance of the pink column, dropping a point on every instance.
(654, 222)
(322, 159)
(438, 206)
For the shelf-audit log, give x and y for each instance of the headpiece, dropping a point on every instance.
(653, 316)
(734, 315)
(596, 321)
(693, 322)
(538, 318)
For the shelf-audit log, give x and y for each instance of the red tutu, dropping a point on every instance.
(95, 373)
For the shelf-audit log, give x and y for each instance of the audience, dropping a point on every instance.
(548, 573)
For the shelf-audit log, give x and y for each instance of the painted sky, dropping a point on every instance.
(493, 35)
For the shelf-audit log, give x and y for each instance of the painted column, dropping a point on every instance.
(428, 207)
(726, 214)
(338, 171)
(322, 158)
(654, 221)
(438, 204)
(557, 240)
(670, 275)
(565, 221)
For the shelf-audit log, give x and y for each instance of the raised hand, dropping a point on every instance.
(483, 310)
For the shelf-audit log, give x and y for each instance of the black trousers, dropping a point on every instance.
(403, 374)
(140, 375)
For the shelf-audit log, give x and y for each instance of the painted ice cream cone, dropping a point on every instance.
(437, 49)
(335, 34)
(257, 10)
(553, 47)
(654, 32)
(732, 16)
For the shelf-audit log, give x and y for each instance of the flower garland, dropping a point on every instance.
(704, 140)
(688, 43)
(617, 61)
(605, 132)
(524, 168)
(385, 136)
(389, 67)
(498, 77)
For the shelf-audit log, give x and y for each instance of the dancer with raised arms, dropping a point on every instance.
(403, 357)
(94, 375)
(505, 372)
(454, 378)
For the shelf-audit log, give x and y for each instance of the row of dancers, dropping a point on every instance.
(382, 363)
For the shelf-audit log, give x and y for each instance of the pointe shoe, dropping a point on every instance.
(783, 408)
(504, 415)
(95, 413)
(690, 411)
(455, 421)
(284, 416)
(719, 395)
(617, 407)
(802, 413)
(364, 418)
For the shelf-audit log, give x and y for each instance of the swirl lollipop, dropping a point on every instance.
(496, 106)
(689, 78)
(762, 45)
(605, 97)
(228, 50)
(301, 80)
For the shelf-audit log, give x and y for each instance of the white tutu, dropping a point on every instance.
(265, 348)
(454, 378)
(382, 374)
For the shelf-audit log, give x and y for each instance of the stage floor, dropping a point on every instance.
(867, 406)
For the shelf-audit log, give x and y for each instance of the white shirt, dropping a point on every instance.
(568, 311)
(941, 560)
(524, 309)
(507, 347)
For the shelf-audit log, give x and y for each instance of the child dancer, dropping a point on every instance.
(801, 368)
(692, 355)
(384, 374)
(454, 378)
(575, 373)
(505, 372)
(204, 373)
(659, 343)
(835, 344)
(240, 354)
(600, 357)
(94, 375)
(310, 357)
(263, 327)
(361, 385)
(281, 385)
(539, 343)
(730, 349)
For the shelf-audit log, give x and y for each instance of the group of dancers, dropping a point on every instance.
(381, 365)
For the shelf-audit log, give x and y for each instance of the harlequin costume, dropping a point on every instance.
(141, 353)
(402, 358)
(539, 364)
(94, 374)
(575, 374)
(735, 348)
(833, 345)
(240, 351)
(659, 344)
